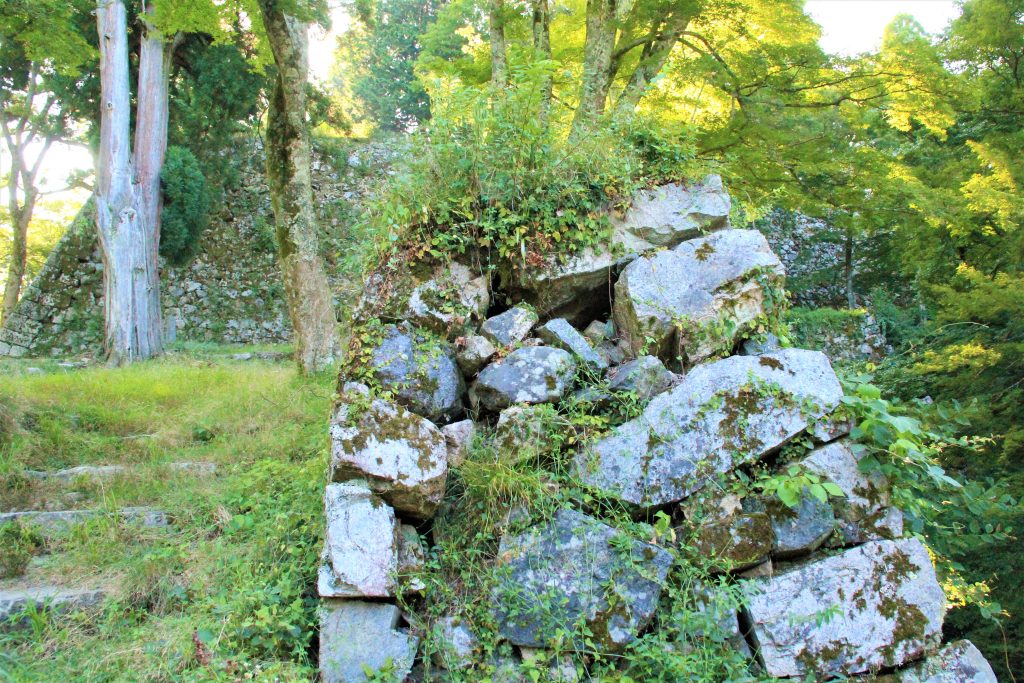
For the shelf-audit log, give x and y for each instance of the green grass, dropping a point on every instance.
(225, 593)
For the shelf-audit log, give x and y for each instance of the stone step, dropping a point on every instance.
(63, 519)
(199, 469)
(55, 599)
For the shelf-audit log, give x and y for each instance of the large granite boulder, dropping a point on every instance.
(875, 606)
(665, 216)
(572, 570)
(696, 300)
(560, 334)
(958, 662)
(361, 541)
(723, 414)
(661, 216)
(402, 457)
(533, 374)
(357, 636)
(421, 373)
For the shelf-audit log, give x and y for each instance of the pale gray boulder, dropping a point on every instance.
(475, 352)
(661, 216)
(560, 334)
(17, 603)
(520, 431)
(412, 558)
(421, 373)
(514, 325)
(360, 557)
(402, 457)
(721, 415)
(458, 436)
(696, 300)
(536, 374)
(577, 568)
(666, 215)
(958, 662)
(802, 529)
(457, 643)
(357, 635)
(453, 297)
(645, 376)
(598, 331)
(875, 606)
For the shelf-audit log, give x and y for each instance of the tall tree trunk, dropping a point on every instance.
(131, 280)
(652, 60)
(597, 61)
(310, 304)
(499, 50)
(851, 298)
(541, 24)
(21, 216)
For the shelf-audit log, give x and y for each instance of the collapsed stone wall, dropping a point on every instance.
(230, 292)
(828, 585)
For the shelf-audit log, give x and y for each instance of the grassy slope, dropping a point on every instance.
(226, 590)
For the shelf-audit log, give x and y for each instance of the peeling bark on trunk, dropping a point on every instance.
(131, 281)
(21, 216)
(310, 303)
(597, 62)
(499, 51)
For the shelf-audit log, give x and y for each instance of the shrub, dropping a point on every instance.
(186, 205)
(19, 545)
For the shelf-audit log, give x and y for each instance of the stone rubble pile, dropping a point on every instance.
(830, 588)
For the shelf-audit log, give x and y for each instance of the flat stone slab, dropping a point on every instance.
(958, 662)
(53, 598)
(112, 471)
(572, 569)
(356, 635)
(535, 374)
(507, 328)
(361, 544)
(560, 334)
(402, 456)
(721, 415)
(666, 215)
(696, 300)
(875, 606)
(64, 519)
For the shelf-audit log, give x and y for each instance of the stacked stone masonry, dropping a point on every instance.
(830, 588)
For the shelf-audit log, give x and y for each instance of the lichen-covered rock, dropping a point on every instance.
(598, 331)
(520, 431)
(645, 376)
(457, 643)
(512, 326)
(422, 374)
(665, 216)
(360, 555)
(695, 301)
(356, 635)
(662, 216)
(958, 662)
(572, 569)
(536, 374)
(802, 529)
(458, 436)
(412, 558)
(402, 457)
(756, 347)
(883, 603)
(735, 540)
(884, 523)
(560, 334)
(721, 415)
(476, 352)
(452, 298)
